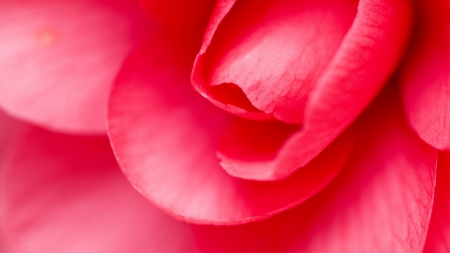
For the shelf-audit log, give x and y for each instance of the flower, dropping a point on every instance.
(241, 126)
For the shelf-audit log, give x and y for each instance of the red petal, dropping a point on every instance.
(250, 150)
(276, 52)
(64, 193)
(426, 75)
(165, 137)
(183, 14)
(438, 239)
(361, 65)
(381, 202)
(59, 58)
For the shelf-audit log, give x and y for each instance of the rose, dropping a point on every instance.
(387, 183)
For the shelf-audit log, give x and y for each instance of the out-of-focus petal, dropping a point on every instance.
(191, 15)
(65, 193)
(58, 59)
(9, 129)
(358, 69)
(426, 74)
(381, 202)
(165, 137)
(438, 239)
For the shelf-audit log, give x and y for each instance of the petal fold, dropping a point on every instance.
(250, 150)
(380, 202)
(356, 72)
(426, 74)
(276, 50)
(166, 136)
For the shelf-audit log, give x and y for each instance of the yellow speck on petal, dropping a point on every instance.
(47, 37)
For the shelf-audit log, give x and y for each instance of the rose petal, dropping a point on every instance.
(276, 51)
(438, 239)
(366, 57)
(381, 202)
(249, 150)
(426, 75)
(179, 13)
(165, 137)
(9, 129)
(255, 144)
(59, 58)
(66, 193)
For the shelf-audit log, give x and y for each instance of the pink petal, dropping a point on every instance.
(59, 58)
(438, 239)
(249, 150)
(9, 129)
(64, 193)
(182, 14)
(426, 75)
(165, 137)
(276, 52)
(358, 69)
(381, 202)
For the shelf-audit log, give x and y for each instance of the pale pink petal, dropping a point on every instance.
(65, 193)
(165, 137)
(426, 74)
(181, 14)
(438, 239)
(381, 202)
(342, 87)
(58, 59)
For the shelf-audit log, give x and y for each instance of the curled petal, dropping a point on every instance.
(165, 137)
(249, 149)
(275, 52)
(59, 59)
(336, 90)
(380, 202)
(426, 75)
(65, 193)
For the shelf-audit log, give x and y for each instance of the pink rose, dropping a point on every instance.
(299, 144)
